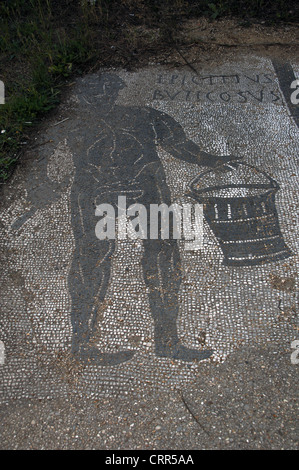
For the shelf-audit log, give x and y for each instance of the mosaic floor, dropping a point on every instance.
(236, 110)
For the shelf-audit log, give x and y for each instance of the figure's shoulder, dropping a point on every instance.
(131, 116)
(139, 112)
(157, 115)
(152, 111)
(161, 118)
(86, 131)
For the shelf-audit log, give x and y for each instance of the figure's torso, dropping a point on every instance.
(120, 147)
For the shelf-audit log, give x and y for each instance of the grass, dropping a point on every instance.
(37, 55)
(43, 43)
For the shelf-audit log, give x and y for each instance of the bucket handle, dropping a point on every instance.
(274, 183)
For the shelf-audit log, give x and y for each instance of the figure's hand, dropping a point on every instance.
(47, 192)
(215, 161)
(41, 196)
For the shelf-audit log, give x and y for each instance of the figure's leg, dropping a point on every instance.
(163, 274)
(88, 283)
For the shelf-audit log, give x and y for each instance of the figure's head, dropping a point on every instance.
(97, 88)
(110, 83)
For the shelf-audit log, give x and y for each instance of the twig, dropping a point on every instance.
(185, 60)
(264, 44)
(40, 144)
(60, 122)
(193, 415)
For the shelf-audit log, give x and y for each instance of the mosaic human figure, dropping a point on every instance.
(118, 156)
(114, 152)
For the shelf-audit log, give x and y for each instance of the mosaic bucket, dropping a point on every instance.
(239, 206)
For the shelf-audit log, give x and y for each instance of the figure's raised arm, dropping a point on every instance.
(172, 138)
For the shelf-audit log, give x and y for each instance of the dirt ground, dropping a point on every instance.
(203, 41)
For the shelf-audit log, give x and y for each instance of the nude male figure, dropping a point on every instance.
(114, 151)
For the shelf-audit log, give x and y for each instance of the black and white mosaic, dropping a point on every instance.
(107, 316)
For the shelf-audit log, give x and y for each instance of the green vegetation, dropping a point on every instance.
(43, 43)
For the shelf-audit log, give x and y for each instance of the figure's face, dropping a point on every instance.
(104, 89)
(108, 88)
(99, 90)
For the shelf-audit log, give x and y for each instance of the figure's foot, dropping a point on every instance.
(180, 352)
(92, 355)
